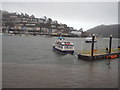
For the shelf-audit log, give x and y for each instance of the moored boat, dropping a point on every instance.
(63, 47)
(89, 39)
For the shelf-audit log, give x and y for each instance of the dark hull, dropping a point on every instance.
(98, 57)
(89, 41)
(62, 52)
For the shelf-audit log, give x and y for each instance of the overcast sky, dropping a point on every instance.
(84, 15)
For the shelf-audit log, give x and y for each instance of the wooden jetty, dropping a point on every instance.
(99, 56)
(95, 54)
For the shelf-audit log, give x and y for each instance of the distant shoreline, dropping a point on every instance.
(49, 36)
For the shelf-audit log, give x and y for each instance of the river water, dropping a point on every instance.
(29, 62)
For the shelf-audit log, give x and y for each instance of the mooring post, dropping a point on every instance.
(92, 49)
(110, 44)
(109, 52)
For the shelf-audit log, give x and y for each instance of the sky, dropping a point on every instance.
(84, 15)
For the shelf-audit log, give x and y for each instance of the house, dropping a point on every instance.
(40, 20)
(76, 32)
(61, 26)
(54, 22)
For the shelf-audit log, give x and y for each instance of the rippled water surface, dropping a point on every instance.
(29, 62)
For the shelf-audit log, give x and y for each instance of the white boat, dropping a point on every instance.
(1, 34)
(89, 39)
(63, 47)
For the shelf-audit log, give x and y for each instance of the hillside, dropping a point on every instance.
(106, 30)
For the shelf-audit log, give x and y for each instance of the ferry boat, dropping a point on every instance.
(89, 39)
(63, 47)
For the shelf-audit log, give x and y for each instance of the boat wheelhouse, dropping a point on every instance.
(62, 46)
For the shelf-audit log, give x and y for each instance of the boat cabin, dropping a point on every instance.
(62, 44)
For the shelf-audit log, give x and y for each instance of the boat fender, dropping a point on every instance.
(112, 56)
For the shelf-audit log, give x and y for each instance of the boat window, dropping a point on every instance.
(69, 47)
(65, 47)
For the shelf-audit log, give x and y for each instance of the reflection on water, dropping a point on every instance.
(30, 62)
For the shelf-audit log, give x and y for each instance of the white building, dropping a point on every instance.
(40, 20)
(76, 32)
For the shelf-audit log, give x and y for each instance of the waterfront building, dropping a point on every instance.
(76, 32)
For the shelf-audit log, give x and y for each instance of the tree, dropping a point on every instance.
(49, 20)
(26, 15)
(81, 30)
(22, 15)
(45, 18)
(32, 16)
